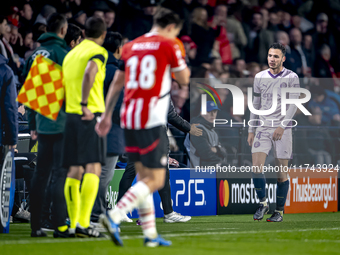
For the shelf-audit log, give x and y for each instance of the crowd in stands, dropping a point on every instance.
(224, 40)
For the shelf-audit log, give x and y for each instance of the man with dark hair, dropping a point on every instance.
(259, 39)
(272, 133)
(3, 27)
(115, 138)
(50, 138)
(110, 16)
(147, 62)
(84, 74)
(73, 36)
(26, 14)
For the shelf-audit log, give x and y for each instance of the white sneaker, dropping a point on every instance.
(126, 219)
(175, 217)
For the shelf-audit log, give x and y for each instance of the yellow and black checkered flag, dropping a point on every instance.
(43, 90)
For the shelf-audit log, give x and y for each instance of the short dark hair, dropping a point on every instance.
(278, 46)
(2, 18)
(113, 41)
(94, 27)
(55, 22)
(73, 33)
(165, 17)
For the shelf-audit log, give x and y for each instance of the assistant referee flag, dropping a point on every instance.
(43, 90)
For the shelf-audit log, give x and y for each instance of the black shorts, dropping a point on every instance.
(148, 146)
(82, 144)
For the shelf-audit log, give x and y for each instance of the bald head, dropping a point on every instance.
(295, 36)
(282, 37)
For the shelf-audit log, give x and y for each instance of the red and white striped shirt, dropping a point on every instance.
(148, 61)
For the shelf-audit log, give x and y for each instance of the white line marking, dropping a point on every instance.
(75, 240)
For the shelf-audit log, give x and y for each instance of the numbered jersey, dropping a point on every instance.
(148, 61)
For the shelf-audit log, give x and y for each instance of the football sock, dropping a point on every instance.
(146, 211)
(63, 228)
(281, 194)
(72, 197)
(88, 194)
(131, 199)
(260, 186)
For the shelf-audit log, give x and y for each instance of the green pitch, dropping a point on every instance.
(317, 233)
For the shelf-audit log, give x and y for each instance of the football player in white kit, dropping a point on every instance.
(274, 133)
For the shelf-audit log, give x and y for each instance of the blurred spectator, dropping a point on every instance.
(110, 18)
(79, 19)
(46, 12)
(3, 28)
(26, 15)
(259, 40)
(215, 68)
(236, 36)
(179, 96)
(203, 35)
(323, 68)
(73, 36)
(285, 24)
(328, 108)
(253, 69)
(27, 42)
(224, 47)
(239, 67)
(322, 35)
(274, 20)
(13, 18)
(300, 61)
(203, 4)
(283, 38)
(140, 23)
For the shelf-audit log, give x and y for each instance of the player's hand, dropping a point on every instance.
(12, 146)
(173, 162)
(213, 149)
(195, 131)
(87, 114)
(103, 127)
(250, 139)
(34, 135)
(278, 134)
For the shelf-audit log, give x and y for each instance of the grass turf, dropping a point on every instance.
(317, 233)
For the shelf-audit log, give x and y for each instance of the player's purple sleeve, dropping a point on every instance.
(292, 108)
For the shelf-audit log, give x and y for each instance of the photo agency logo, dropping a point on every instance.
(267, 112)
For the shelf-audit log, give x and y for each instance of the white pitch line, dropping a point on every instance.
(75, 240)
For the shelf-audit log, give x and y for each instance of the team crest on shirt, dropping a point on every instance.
(256, 144)
(283, 85)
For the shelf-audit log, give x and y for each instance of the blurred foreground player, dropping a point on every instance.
(272, 133)
(148, 61)
(84, 74)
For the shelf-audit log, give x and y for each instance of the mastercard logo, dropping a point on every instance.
(224, 193)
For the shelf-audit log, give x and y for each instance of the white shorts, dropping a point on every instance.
(263, 142)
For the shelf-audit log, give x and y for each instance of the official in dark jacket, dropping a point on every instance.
(115, 138)
(8, 107)
(165, 193)
(50, 138)
(206, 150)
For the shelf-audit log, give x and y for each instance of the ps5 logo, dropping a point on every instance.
(189, 196)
